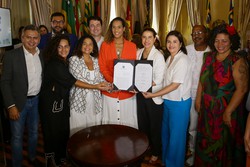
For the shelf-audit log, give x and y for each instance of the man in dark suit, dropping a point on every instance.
(58, 27)
(20, 84)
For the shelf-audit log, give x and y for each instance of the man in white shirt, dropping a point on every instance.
(95, 29)
(195, 53)
(20, 84)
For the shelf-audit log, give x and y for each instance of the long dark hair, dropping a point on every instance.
(51, 50)
(178, 35)
(78, 49)
(109, 37)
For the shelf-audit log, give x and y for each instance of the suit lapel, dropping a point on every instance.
(23, 63)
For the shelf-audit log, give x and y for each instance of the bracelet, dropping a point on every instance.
(13, 105)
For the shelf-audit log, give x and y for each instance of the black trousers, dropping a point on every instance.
(55, 127)
(149, 117)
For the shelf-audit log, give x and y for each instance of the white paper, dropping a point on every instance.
(143, 77)
(123, 75)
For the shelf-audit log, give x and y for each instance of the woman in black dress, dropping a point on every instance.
(54, 99)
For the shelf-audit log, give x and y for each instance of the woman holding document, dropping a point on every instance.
(149, 111)
(119, 107)
(177, 101)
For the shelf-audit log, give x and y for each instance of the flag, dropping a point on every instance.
(68, 11)
(208, 19)
(231, 13)
(87, 14)
(78, 17)
(129, 16)
(97, 10)
(146, 24)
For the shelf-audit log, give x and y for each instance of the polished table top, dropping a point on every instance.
(107, 145)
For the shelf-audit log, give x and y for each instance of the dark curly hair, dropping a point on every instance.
(78, 50)
(222, 29)
(178, 35)
(51, 50)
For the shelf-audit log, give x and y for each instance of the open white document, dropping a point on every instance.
(133, 75)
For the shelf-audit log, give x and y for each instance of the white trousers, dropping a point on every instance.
(192, 127)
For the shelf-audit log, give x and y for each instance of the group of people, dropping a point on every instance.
(66, 83)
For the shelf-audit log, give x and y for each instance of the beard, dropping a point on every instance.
(56, 31)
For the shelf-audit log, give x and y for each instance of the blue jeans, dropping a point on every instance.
(28, 117)
(174, 131)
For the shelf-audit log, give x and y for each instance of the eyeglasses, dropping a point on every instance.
(57, 22)
(197, 33)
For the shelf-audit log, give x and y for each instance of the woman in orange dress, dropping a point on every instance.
(119, 107)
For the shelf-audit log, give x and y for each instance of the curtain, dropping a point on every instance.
(105, 14)
(20, 15)
(183, 24)
(5, 3)
(163, 22)
(173, 12)
(56, 6)
(243, 20)
(157, 11)
(142, 12)
(121, 8)
(134, 11)
(41, 10)
(194, 12)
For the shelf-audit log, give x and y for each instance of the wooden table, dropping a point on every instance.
(107, 145)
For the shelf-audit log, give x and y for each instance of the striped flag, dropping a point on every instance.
(87, 14)
(68, 12)
(208, 19)
(78, 18)
(231, 13)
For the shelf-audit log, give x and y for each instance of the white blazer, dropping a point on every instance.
(159, 66)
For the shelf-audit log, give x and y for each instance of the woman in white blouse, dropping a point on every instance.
(149, 111)
(85, 104)
(177, 101)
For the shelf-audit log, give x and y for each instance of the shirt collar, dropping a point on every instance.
(27, 52)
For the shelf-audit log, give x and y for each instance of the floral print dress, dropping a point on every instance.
(217, 144)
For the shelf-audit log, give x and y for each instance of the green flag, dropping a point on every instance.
(68, 11)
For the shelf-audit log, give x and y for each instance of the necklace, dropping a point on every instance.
(117, 43)
(118, 54)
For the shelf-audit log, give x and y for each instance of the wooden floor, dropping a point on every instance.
(5, 152)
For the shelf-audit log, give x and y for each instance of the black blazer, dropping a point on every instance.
(14, 80)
